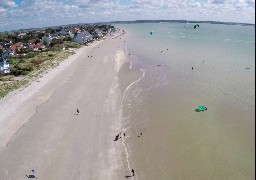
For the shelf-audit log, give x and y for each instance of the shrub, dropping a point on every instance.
(36, 62)
(22, 60)
(69, 44)
(31, 55)
(18, 70)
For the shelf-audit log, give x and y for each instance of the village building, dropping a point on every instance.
(7, 53)
(4, 66)
(83, 37)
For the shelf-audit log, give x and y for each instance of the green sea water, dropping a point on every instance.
(183, 67)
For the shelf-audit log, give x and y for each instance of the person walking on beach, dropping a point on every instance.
(33, 175)
(132, 172)
(33, 172)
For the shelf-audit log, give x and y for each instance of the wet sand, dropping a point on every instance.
(42, 129)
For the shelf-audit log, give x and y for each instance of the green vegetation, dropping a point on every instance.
(6, 78)
(21, 66)
(5, 88)
(69, 44)
(21, 69)
(29, 67)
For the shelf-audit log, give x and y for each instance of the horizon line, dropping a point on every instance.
(120, 21)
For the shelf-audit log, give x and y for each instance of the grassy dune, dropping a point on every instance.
(25, 69)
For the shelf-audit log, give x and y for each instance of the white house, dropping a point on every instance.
(21, 35)
(83, 37)
(65, 32)
(99, 32)
(4, 66)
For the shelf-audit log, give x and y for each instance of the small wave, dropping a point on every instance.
(173, 36)
(130, 65)
(128, 87)
(125, 93)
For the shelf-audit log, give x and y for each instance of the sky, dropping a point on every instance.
(22, 14)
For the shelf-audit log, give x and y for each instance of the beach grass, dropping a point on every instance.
(6, 78)
(5, 88)
(25, 69)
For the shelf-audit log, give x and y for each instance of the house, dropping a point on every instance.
(4, 66)
(31, 41)
(99, 32)
(7, 53)
(75, 30)
(47, 39)
(22, 35)
(40, 46)
(83, 37)
(110, 30)
(54, 36)
(65, 32)
(2, 44)
(33, 47)
(16, 47)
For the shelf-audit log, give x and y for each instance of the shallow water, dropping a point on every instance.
(177, 142)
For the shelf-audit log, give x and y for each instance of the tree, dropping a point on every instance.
(67, 38)
(23, 50)
(45, 43)
(37, 41)
(50, 31)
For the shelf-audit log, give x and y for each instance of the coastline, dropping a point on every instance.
(37, 138)
(118, 96)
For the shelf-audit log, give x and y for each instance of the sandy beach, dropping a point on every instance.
(40, 128)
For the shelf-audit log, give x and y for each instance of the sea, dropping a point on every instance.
(172, 69)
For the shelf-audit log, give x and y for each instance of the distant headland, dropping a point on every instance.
(135, 21)
(182, 21)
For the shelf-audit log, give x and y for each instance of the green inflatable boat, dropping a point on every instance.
(201, 108)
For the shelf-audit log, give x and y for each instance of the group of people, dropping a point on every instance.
(118, 136)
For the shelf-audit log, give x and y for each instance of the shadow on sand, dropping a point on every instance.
(31, 176)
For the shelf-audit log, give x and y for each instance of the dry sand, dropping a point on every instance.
(39, 128)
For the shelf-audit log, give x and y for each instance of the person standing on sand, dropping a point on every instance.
(132, 172)
(33, 172)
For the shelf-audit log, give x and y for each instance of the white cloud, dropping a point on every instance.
(2, 10)
(219, 1)
(7, 3)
